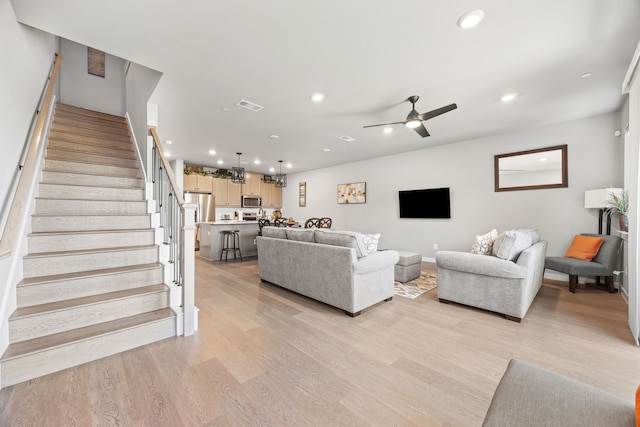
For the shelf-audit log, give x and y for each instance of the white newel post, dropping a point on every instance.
(188, 259)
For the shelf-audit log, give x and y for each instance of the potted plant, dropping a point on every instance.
(619, 204)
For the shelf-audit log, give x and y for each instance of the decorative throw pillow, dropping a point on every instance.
(638, 406)
(584, 247)
(371, 242)
(510, 244)
(275, 232)
(484, 244)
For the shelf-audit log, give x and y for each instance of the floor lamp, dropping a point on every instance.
(599, 199)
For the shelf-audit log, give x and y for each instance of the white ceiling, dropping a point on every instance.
(366, 56)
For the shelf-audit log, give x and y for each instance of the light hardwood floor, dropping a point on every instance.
(266, 356)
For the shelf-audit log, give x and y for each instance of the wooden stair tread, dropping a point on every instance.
(79, 122)
(63, 338)
(126, 154)
(86, 274)
(83, 301)
(87, 251)
(88, 232)
(90, 113)
(81, 174)
(91, 200)
(91, 187)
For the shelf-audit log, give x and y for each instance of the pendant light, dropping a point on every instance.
(237, 173)
(281, 178)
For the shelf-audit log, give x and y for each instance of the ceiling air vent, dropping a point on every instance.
(249, 105)
(346, 138)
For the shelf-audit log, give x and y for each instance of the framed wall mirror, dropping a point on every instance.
(531, 169)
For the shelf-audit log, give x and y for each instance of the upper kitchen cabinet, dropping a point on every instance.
(251, 187)
(271, 195)
(227, 192)
(198, 183)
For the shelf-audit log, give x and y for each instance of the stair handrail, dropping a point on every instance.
(177, 222)
(28, 162)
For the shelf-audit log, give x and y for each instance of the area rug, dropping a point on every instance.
(417, 287)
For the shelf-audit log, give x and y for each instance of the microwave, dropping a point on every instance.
(251, 202)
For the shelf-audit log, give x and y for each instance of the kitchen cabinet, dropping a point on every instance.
(271, 195)
(227, 192)
(251, 187)
(199, 183)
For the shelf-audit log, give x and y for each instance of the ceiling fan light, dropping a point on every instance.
(412, 124)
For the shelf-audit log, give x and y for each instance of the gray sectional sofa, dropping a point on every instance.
(330, 266)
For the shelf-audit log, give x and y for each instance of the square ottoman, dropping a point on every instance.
(408, 266)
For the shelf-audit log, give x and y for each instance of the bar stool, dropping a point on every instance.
(233, 245)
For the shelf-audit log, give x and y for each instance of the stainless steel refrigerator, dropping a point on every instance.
(205, 210)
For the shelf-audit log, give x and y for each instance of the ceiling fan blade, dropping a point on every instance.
(422, 131)
(384, 124)
(433, 113)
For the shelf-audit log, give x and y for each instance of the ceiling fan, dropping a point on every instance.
(414, 119)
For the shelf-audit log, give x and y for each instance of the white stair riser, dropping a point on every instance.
(61, 130)
(43, 224)
(58, 191)
(56, 359)
(72, 263)
(51, 177)
(88, 168)
(90, 158)
(60, 290)
(26, 328)
(124, 152)
(39, 243)
(76, 123)
(93, 207)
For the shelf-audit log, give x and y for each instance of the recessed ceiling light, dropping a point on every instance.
(543, 159)
(168, 154)
(288, 165)
(168, 142)
(317, 97)
(326, 150)
(508, 97)
(387, 130)
(256, 162)
(274, 136)
(272, 169)
(224, 109)
(585, 75)
(212, 152)
(220, 162)
(471, 19)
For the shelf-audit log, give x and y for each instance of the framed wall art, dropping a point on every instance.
(352, 193)
(302, 194)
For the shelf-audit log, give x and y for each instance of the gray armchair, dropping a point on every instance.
(491, 283)
(602, 264)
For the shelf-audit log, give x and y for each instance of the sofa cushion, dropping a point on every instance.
(370, 241)
(510, 244)
(484, 244)
(584, 247)
(301, 234)
(348, 239)
(275, 232)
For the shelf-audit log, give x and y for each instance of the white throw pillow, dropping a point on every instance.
(371, 242)
(510, 244)
(484, 244)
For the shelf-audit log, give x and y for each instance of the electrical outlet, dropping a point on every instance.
(435, 246)
(255, 241)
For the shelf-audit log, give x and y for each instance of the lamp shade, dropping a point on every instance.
(599, 199)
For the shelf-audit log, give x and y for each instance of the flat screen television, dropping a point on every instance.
(426, 203)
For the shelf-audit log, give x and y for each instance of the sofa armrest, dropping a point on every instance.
(485, 265)
(528, 395)
(375, 262)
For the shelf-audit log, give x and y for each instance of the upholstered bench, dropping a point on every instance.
(408, 266)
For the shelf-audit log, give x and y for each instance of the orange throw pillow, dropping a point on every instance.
(584, 247)
(638, 406)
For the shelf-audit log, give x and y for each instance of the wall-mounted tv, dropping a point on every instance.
(426, 203)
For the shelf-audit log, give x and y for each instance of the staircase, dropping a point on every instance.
(92, 281)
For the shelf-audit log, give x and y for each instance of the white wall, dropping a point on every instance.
(467, 168)
(140, 84)
(27, 58)
(23, 73)
(81, 89)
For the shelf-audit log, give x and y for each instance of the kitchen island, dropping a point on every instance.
(211, 237)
